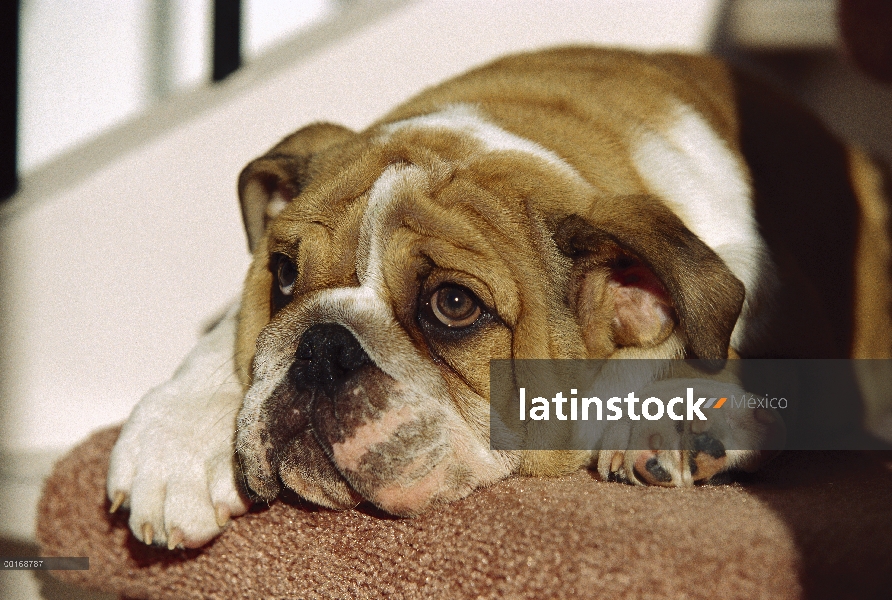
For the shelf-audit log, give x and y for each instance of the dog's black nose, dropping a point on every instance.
(327, 355)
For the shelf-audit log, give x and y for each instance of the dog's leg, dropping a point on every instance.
(173, 464)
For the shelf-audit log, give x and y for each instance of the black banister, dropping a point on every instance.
(227, 37)
(9, 96)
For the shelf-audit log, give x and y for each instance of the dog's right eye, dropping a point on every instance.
(455, 306)
(285, 273)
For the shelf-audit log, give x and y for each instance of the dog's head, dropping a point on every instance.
(391, 266)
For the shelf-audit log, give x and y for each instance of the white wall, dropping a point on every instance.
(108, 276)
(89, 65)
(83, 66)
(271, 22)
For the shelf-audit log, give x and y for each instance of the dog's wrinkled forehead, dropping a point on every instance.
(420, 180)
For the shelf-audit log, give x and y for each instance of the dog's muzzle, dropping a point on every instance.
(338, 429)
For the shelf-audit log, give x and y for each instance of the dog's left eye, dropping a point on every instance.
(286, 274)
(455, 306)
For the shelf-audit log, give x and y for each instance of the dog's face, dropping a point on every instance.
(391, 266)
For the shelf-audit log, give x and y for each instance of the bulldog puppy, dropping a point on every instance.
(570, 203)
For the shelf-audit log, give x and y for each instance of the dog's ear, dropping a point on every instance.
(269, 183)
(651, 269)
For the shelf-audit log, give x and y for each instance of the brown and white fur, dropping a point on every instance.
(571, 203)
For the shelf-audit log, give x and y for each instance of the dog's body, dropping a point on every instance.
(572, 203)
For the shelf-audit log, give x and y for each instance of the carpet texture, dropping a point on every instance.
(812, 525)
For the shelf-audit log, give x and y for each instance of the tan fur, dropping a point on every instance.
(873, 275)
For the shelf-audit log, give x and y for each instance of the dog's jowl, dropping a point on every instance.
(565, 204)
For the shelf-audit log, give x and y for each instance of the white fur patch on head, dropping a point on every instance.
(391, 185)
(707, 185)
(466, 120)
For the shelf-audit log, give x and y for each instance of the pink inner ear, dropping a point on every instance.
(643, 313)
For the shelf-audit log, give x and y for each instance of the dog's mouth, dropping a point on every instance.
(338, 430)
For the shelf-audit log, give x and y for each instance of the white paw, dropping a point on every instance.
(173, 464)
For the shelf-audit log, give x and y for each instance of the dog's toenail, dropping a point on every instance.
(148, 533)
(176, 538)
(118, 501)
(616, 461)
(221, 515)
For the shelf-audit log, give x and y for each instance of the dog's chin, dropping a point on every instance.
(371, 439)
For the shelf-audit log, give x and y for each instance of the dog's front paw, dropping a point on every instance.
(174, 470)
(687, 452)
(173, 464)
(702, 458)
